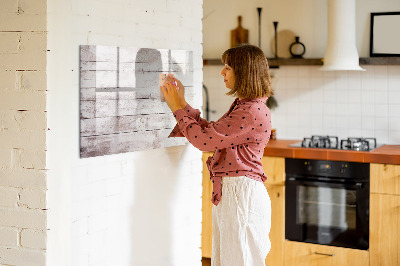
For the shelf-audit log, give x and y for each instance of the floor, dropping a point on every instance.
(206, 261)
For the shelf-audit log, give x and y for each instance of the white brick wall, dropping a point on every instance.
(9, 237)
(22, 132)
(140, 208)
(101, 191)
(8, 197)
(34, 239)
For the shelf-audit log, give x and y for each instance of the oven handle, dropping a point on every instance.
(324, 254)
(357, 185)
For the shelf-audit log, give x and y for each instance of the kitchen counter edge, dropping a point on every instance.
(385, 154)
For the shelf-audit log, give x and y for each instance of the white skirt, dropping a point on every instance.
(241, 223)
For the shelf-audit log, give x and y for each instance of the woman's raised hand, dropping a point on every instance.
(171, 93)
(181, 89)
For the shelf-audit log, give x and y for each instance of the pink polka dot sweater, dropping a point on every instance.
(238, 139)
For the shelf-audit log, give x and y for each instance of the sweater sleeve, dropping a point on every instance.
(193, 113)
(229, 131)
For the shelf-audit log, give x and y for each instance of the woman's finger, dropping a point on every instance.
(172, 80)
(164, 90)
(170, 87)
(178, 83)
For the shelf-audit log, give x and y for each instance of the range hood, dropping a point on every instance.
(341, 51)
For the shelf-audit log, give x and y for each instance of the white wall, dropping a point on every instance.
(311, 102)
(306, 19)
(140, 208)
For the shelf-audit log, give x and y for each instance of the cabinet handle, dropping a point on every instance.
(324, 254)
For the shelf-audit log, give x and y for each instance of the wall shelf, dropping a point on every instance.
(380, 61)
(274, 63)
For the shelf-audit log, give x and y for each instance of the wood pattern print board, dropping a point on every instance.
(121, 108)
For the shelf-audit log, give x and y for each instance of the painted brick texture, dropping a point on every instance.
(136, 208)
(23, 132)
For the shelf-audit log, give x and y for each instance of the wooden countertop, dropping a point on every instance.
(389, 154)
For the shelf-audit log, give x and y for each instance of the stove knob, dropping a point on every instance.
(308, 166)
(343, 168)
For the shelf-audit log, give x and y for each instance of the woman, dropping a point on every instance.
(242, 209)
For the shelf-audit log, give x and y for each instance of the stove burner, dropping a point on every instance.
(332, 142)
(358, 144)
(328, 142)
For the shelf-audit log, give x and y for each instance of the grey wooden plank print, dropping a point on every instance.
(120, 102)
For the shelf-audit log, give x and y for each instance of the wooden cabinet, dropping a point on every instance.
(206, 226)
(277, 233)
(304, 254)
(274, 168)
(385, 178)
(385, 215)
(385, 230)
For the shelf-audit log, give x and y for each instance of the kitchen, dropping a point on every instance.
(119, 209)
(313, 104)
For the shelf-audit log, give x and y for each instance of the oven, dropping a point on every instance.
(327, 202)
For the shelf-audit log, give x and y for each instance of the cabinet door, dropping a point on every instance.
(304, 254)
(274, 168)
(385, 178)
(277, 233)
(206, 232)
(384, 230)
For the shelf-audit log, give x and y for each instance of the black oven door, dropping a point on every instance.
(327, 212)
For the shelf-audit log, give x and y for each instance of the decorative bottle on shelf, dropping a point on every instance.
(297, 49)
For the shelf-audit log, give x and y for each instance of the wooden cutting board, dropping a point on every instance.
(239, 35)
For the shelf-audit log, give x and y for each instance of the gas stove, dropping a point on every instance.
(332, 142)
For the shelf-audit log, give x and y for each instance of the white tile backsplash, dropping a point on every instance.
(342, 96)
(291, 71)
(381, 110)
(381, 97)
(329, 109)
(394, 82)
(380, 71)
(394, 97)
(394, 110)
(394, 124)
(368, 122)
(382, 136)
(394, 137)
(381, 83)
(342, 123)
(343, 103)
(342, 81)
(304, 72)
(342, 109)
(304, 82)
(381, 123)
(292, 83)
(367, 96)
(367, 109)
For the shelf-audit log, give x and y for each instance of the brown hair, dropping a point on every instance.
(250, 66)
